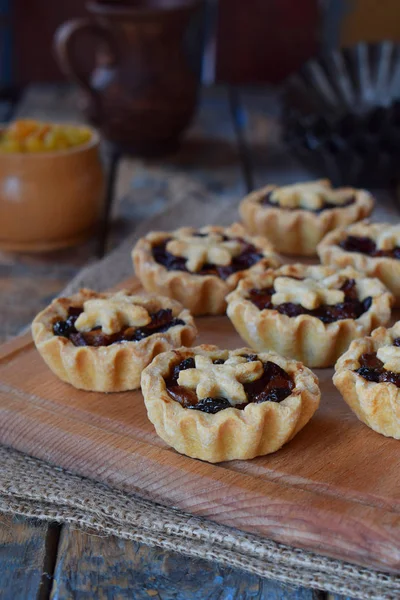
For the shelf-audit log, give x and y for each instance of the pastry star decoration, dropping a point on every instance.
(210, 249)
(310, 293)
(311, 195)
(112, 314)
(390, 356)
(388, 238)
(224, 380)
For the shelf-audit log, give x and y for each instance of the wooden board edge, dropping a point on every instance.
(292, 516)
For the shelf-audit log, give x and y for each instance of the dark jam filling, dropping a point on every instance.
(266, 201)
(246, 259)
(365, 245)
(351, 308)
(161, 321)
(274, 385)
(371, 368)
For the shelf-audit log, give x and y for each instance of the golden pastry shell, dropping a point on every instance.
(375, 404)
(304, 338)
(113, 368)
(201, 294)
(231, 433)
(384, 268)
(299, 231)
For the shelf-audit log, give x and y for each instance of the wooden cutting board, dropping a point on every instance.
(334, 489)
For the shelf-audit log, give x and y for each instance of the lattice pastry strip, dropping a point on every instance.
(390, 356)
(308, 292)
(212, 380)
(112, 314)
(311, 195)
(210, 249)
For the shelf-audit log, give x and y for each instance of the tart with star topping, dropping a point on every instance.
(221, 405)
(199, 267)
(296, 217)
(102, 341)
(368, 377)
(309, 313)
(372, 248)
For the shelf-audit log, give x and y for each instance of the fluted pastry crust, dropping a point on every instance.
(299, 231)
(375, 404)
(384, 268)
(201, 294)
(304, 337)
(231, 433)
(112, 368)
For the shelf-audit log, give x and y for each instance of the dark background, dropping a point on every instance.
(257, 40)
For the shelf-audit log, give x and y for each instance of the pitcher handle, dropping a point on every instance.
(66, 36)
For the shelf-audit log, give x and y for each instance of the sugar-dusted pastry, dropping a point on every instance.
(199, 267)
(368, 377)
(296, 217)
(372, 248)
(221, 405)
(103, 341)
(309, 313)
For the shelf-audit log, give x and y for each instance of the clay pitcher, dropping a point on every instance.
(142, 92)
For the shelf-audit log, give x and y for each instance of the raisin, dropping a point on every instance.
(390, 377)
(365, 245)
(61, 328)
(273, 395)
(368, 374)
(211, 405)
(250, 357)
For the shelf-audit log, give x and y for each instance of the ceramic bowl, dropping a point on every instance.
(50, 200)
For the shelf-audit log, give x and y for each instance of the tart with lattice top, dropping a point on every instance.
(368, 377)
(221, 405)
(199, 267)
(372, 248)
(103, 341)
(310, 313)
(296, 217)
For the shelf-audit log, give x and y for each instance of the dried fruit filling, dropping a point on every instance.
(351, 308)
(246, 259)
(371, 368)
(266, 201)
(274, 385)
(365, 245)
(161, 321)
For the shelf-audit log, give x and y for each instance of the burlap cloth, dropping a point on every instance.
(36, 489)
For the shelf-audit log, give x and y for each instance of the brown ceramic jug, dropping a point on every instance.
(142, 92)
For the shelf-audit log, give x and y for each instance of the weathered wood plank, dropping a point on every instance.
(26, 289)
(207, 163)
(108, 567)
(269, 158)
(50, 102)
(22, 558)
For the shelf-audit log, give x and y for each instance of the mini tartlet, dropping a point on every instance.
(296, 217)
(219, 405)
(368, 377)
(309, 313)
(372, 248)
(103, 341)
(199, 267)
